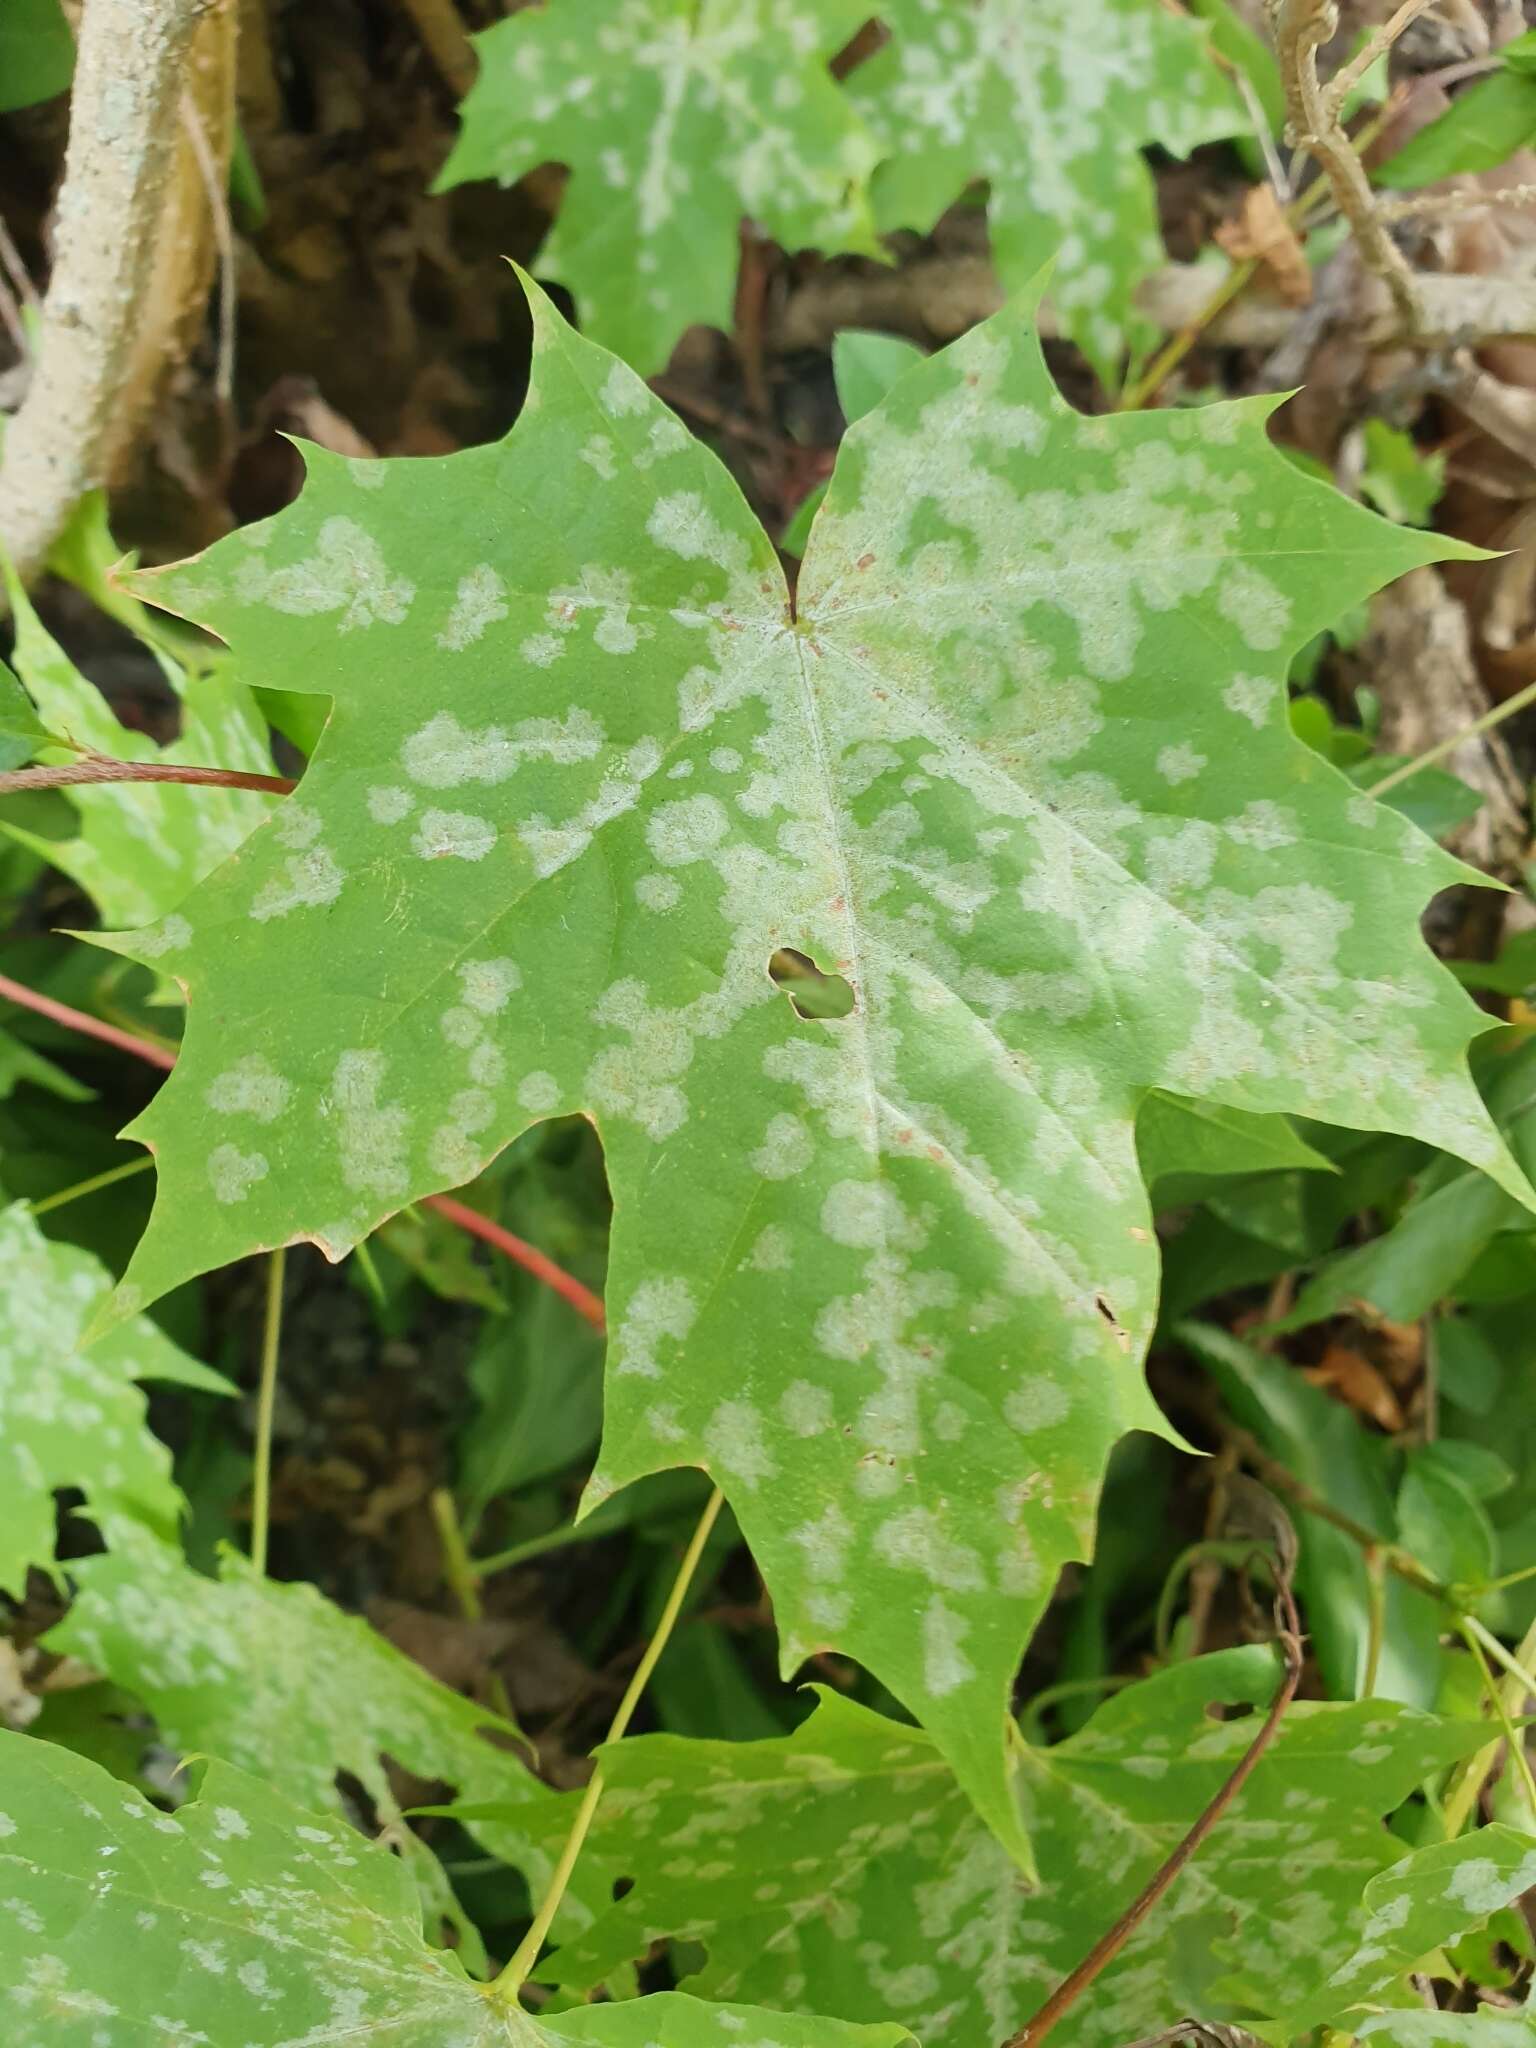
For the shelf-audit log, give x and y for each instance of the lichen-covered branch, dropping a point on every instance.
(122, 137)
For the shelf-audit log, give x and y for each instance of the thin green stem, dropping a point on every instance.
(367, 1266)
(1218, 1552)
(108, 1179)
(266, 1400)
(1518, 1578)
(1029, 1730)
(1439, 751)
(463, 1580)
(1376, 1617)
(535, 1546)
(1466, 1786)
(1496, 1650)
(1476, 1639)
(510, 1982)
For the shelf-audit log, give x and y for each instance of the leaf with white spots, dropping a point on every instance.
(71, 1417)
(1014, 765)
(245, 1919)
(677, 121)
(1052, 103)
(841, 1869)
(276, 1679)
(136, 849)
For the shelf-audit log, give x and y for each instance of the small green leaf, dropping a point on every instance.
(22, 732)
(246, 1919)
(1177, 1136)
(1481, 129)
(37, 52)
(75, 1418)
(676, 123)
(1400, 481)
(865, 366)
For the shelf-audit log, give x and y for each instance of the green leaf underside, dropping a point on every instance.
(1018, 770)
(677, 119)
(70, 1417)
(1052, 104)
(245, 1919)
(138, 848)
(277, 1680)
(840, 1868)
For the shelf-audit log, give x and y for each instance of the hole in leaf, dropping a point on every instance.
(622, 1887)
(814, 994)
(1228, 1710)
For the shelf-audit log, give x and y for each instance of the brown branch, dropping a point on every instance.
(97, 769)
(515, 1248)
(1301, 27)
(1108, 1946)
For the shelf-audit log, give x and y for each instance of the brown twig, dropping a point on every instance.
(1109, 1945)
(516, 1249)
(1301, 27)
(98, 769)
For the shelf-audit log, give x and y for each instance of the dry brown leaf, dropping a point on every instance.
(1262, 233)
(1359, 1384)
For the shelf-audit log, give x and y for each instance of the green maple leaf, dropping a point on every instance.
(1015, 764)
(245, 1918)
(677, 118)
(74, 1418)
(1052, 103)
(137, 849)
(841, 1867)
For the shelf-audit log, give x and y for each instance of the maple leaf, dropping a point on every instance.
(245, 1918)
(841, 1868)
(75, 1418)
(675, 122)
(1052, 104)
(1014, 764)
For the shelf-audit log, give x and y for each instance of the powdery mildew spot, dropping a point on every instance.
(232, 1173)
(251, 1087)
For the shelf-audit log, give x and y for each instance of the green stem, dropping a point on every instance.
(535, 1546)
(1218, 1552)
(1518, 1578)
(108, 1179)
(1477, 1639)
(367, 1266)
(1496, 1650)
(1466, 1787)
(266, 1398)
(510, 1982)
(1376, 1612)
(1438, 752)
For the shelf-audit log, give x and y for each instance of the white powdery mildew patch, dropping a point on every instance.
(346, 573)
(737, 1444)
(443, 754)
(371, 1135)
(252, 1087)
(311, 876)
(658, 1315)
(481, 603)
(946, 1668)
(169, 936)
(453, 835)
(233, 1173)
